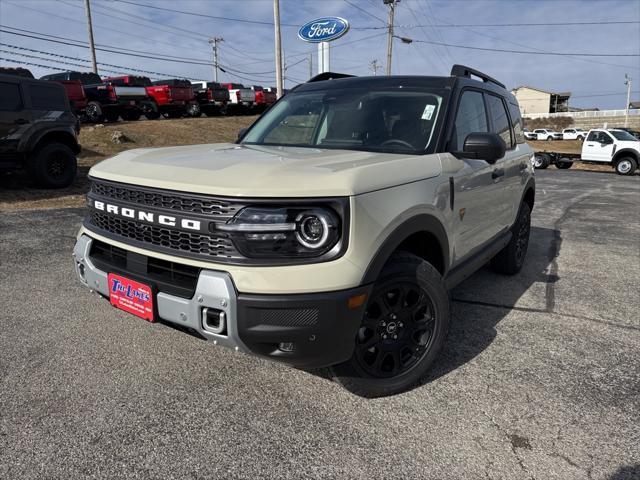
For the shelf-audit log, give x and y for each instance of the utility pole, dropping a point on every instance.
(214, 42)
(392, 8)
(278, 44)
(374, 66)
(92, 47)
(627, 82)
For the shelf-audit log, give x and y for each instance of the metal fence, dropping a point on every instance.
(586, 114)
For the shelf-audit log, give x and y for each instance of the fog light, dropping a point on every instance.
(286, 347)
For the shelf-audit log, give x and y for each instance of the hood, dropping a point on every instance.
(255, 171)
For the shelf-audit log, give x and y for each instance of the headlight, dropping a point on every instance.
(284, 232)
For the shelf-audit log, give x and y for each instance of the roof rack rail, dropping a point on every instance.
(328, 76)
(462, 71)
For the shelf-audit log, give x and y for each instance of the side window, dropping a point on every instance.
(516, 122)
(47, 97)
(500, 119)
(471, 118)
(593, 137)
(10, 100)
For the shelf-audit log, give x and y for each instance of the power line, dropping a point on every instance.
(366, 12)
(42, 52)
(546, 24)
(502, 50)
(216, 17)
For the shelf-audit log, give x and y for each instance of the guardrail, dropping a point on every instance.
(585, 114)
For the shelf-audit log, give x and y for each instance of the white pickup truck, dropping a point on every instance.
(546, 134)
(617, 148)
(240, 97)
(574, 134)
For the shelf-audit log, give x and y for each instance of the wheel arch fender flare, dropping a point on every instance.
(65, 135)
(626, 152)
(422, 223)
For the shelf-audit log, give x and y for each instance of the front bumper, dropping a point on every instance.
(303, 330)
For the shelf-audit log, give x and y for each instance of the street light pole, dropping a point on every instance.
(278, 44)
(87, 9)
(627, 82)
(392, 7)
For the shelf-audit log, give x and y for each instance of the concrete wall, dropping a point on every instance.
(532, 101)
(612, 122)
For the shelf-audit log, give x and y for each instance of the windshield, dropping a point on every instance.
(622, 135)
(388, 120)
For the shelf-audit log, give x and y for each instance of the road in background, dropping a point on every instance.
(539, 377)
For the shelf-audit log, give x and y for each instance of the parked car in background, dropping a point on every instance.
(264, 98)
(615, 147)
(574, 134)
(633, 132)
(105, 100)
(241, 98)
(17, 71)
(529, 135)
(546, 134)
(75, 93)
(38, 130)
(172, 98)
(212, 97)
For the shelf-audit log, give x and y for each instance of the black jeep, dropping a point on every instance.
(38, 131)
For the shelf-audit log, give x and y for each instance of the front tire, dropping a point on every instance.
(403, 329)
(626, 166)
(510, 259)
(194, 111)
(54, 166)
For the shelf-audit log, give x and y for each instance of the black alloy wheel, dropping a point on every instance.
(396, 331)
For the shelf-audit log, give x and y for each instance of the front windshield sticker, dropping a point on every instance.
(428, 112)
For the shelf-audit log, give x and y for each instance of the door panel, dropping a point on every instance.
(14, 119)
(598, 147)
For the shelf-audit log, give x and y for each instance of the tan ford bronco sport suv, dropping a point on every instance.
(329, 233)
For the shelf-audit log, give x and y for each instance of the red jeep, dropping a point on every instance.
(172, 98)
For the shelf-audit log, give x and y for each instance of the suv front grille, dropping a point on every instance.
(210, 244)
(219, 209)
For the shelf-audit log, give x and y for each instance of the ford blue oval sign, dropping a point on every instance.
(323, 29)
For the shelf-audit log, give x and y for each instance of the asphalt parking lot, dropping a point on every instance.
(539, 379)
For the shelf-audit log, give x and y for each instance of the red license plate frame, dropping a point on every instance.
(131, 296)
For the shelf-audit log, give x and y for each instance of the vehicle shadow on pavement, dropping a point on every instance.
(479, 303)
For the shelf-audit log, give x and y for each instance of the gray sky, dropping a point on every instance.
(248, 48)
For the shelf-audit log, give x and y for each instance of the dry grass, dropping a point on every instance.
(18, 193)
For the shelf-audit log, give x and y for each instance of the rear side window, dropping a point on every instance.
(516, 122)
(471, 118)
(500, 119)
(47, 97)
(10, 100)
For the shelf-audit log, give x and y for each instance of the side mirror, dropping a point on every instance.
(241, 133)
(489, 147)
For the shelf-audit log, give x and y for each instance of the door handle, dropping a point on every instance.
(21, 121)
(497, 173)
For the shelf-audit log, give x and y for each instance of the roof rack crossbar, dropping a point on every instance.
(463, 71)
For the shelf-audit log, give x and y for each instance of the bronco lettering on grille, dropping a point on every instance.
(144, 216)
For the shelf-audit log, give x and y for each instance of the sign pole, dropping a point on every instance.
(276, 21)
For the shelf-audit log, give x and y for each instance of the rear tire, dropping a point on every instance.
(549, 139)
(626, 166)
(510, 259)
(112, 116)
(150, 111)
(53, 166)
(403, 329)
(564, 164)
(541, 161)
(93, 112)
(194, 111)
(132, 115)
